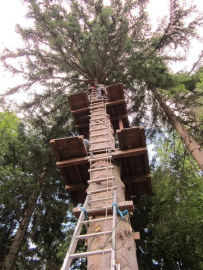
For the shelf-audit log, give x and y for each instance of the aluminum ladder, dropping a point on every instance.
(98, 114)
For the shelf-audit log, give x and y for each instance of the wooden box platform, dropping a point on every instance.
(72, 160)
(115, 92)
(75, 173)
(67, 148)
(126, 205)
(135, 171)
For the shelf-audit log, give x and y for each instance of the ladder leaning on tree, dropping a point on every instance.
(103, 221)
(98, 116)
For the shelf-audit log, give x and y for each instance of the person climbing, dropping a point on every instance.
(101, 91)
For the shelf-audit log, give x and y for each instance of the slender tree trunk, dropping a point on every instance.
(21, 232)
(193, 146)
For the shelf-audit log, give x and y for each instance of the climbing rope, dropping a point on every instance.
(122, 214)
(85, 212)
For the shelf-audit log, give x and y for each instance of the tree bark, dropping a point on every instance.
(22, 229)
(101, 137)
(125, 244)
(192, 145)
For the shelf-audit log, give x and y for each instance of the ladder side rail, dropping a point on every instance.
(113, 253)
(67, 261)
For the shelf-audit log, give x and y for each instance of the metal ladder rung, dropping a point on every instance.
(84, 236)
(101, 168)
(101, 179)
(95, 220)
(90, 253)
(100, 190)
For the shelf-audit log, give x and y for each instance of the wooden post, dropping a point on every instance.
(120, 124)
(101, 135)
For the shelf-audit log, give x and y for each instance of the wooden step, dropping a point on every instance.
(110, 178)
(102, 211)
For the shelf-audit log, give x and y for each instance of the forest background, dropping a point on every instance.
(60, 47)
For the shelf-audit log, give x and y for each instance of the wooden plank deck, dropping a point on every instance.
(68, 148)
(134, 172)
(72, 156)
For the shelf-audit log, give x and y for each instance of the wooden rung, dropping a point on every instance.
(85, 236)
(99, 116)
(102, 211)
(100, 113)
(101, 179)
(108, 147)
(101, 168)
(102, 134)
(98, 106)
(101, 141)
(95, 124)
(95, 129)
(100, 190)
(97, 100)
(90, 253)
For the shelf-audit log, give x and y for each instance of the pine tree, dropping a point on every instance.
(72, 44)
(34, 202)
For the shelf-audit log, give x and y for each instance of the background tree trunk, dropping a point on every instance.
(193, 146)
(21, 232)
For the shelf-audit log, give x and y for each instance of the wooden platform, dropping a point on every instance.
(116, 108)
(115, 92)
(78, 101)
(135, 171)
(127, 205)
(131, 138)
(68, 148)
(72, 160)
(76, 173)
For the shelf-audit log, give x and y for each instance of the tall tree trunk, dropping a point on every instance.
(102, 142)
(193, 146)
(21, 232)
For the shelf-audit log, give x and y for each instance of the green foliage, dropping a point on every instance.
(177, 207)
(24, 156)
(70, 44)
